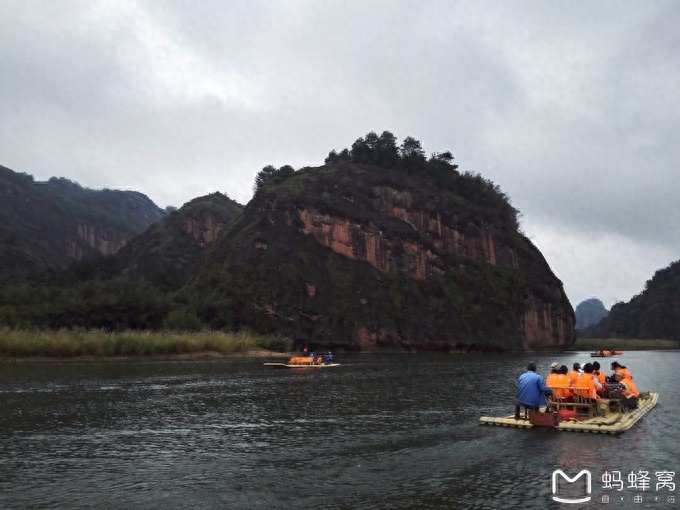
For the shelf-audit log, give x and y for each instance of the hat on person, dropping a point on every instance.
(555, 364)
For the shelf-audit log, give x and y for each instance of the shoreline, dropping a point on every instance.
(213, 355)
(186, 356)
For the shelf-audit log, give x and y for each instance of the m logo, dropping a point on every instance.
(588, 487)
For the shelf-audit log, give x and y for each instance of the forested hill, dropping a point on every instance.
(652, 314)
(138, 287)
(48, 225)
(383, 247)
(171, 252)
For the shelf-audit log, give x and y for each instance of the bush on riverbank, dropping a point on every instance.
(69, 343)
(624, 344)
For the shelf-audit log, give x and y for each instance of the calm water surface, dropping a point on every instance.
(381, 431)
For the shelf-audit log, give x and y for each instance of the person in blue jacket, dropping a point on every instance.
(531, 388)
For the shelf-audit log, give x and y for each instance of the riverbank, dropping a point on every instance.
(193, 356)
(94, 345)
(623, 344)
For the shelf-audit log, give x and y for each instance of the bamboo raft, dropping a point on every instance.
(301, 365)
(605, 354)
(615, 422)
(304, 362)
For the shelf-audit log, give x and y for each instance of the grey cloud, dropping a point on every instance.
(569, 106)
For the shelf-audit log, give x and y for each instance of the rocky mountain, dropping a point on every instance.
(49, 225)
(135, 288)
(652, 314)
(172, 250)
(589, 312)
(379, 248)
(365, 257)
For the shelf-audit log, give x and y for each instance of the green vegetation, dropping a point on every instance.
(97, 343)
(654, 313)
(481, 195)
(45, 226)
(475, 195)
(624, 344)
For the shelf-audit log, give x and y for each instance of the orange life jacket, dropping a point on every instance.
(631, 390)
(586, 386)
(573, 376)
(559, 380)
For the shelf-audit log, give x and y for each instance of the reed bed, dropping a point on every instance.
(96, 343)
(624, 344)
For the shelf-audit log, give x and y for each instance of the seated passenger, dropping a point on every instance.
(564, 381)
(600, 376)
(551, 379)
(574, 374)
(618, 367)
(531, 388)
(587, 385)
(628, 391)
(558, 378)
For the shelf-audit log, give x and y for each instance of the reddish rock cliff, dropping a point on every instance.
(367, 243)
(203, 229)
(104, 241)
(543, 324)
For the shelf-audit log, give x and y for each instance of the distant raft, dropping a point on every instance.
(604, 421)
(605, 354)
(303, 362)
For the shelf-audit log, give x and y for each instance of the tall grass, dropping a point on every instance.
(97, 343)
(624, 344)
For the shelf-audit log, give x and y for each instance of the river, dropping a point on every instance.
(379, 432)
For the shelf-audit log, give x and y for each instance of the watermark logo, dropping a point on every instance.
(558, 473)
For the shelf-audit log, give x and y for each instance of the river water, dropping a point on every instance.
(380, 431)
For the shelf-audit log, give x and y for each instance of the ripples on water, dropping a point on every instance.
(378, 432)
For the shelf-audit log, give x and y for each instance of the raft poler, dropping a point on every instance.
(328, 358)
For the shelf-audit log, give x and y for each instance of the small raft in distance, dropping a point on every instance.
(605, 354)
(303, 362)
(615, 422)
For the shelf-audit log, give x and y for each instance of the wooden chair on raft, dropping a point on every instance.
(583, 406)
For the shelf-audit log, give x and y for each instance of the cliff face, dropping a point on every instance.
(367, 243)
(104, 241)
(543, 324)
(410, 269)
(203, 229)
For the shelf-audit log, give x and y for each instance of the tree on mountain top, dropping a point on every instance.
(271, 175)
(411, 152)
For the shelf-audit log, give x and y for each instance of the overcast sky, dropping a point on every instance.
(571, 107)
